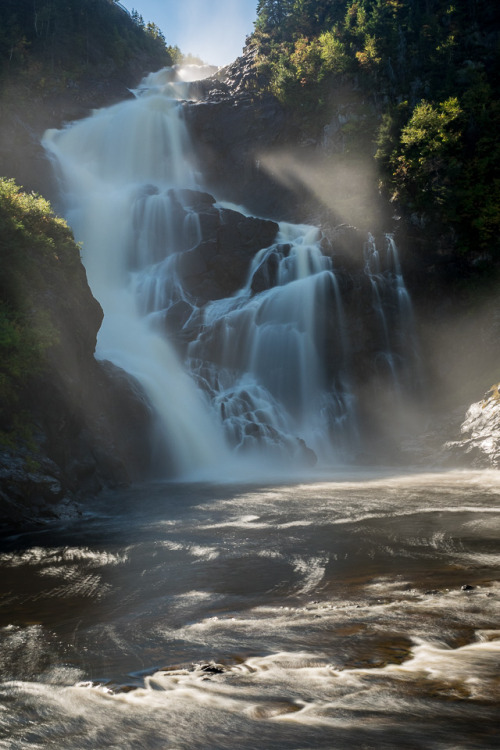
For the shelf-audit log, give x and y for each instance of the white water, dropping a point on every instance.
(111, 164)
(361, 611)
(269, 375)
(270, 351)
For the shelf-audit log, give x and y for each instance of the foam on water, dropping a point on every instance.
(254, 612)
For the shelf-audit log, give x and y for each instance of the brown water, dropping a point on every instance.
(327, 613)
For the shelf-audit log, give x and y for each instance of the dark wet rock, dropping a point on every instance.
(233, 123)
(345, 243)
(219, 265)
(89, 435)
(177, 316)
(195, 199)
(211, 668)
(252, 429)
(467, 587)
(266, 276)
(32, 488)
(192, 263)
(306, 455)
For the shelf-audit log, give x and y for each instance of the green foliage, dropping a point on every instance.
(75, 36)
(427, 162)
(34, 243)
(430, 68)
(333, 54)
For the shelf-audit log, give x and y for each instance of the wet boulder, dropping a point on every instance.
(478, 444)
(219, 265)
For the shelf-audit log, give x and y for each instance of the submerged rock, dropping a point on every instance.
(210, 668)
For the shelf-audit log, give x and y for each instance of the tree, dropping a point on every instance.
(272, 13)
(427, 163)
(137, 18)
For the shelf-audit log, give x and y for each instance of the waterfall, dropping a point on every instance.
(393, 310)
(263, 372)
(268, 346)
(118, 169)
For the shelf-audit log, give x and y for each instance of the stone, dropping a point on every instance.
(211, 668)
(194, 199)
(479, 442)
(306, 455)
(231, 123)
(219, 265)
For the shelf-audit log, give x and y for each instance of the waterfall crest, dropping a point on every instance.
(262, 372)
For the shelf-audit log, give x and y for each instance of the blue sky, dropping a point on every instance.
(215, 30)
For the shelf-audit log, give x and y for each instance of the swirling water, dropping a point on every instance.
(360, 610)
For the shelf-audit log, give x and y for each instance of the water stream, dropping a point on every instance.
(356, 610)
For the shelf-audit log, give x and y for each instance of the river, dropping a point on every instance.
(356, 609)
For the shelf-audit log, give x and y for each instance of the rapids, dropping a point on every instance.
(360, 610)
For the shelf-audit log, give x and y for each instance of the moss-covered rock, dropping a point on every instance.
(69, 424)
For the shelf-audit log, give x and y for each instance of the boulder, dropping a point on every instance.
(31, 488)
(219, 265)
(479, 441)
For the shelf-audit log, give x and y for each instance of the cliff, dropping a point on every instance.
(69, 424)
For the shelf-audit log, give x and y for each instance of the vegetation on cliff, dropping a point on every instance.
(428, 73)
(69, 424)
(37, 252)
(58, 42)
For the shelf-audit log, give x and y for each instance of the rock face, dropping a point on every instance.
(231, 126)
(84, 424)
(218, 265)
(479, 442)
(91, 432)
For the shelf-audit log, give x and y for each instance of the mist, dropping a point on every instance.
(341, 184)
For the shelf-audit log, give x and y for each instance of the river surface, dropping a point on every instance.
(359, 610)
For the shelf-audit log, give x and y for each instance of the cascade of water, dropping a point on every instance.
(267, 371)
(270, 341)
(394, 313)
(119, 169)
